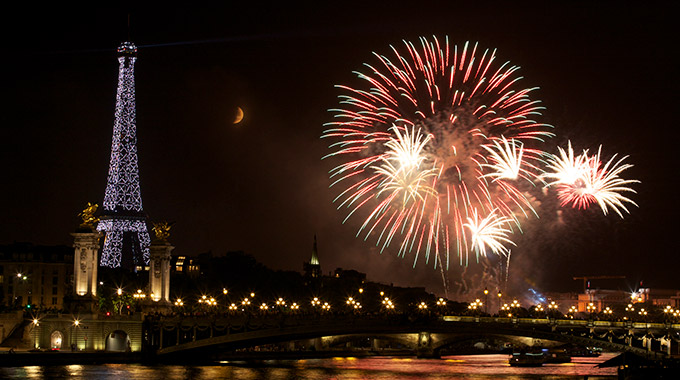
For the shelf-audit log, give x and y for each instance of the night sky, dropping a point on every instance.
(607, 73)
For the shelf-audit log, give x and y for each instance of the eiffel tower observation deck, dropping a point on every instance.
(126, 239)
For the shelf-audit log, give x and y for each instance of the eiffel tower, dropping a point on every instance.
(126, 239)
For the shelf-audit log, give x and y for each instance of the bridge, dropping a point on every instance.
(196, 337)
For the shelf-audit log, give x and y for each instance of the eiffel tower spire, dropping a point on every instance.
(127, 239)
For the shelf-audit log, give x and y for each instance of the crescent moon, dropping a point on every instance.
(239, 115)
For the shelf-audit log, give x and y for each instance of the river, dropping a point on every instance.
(449, 367)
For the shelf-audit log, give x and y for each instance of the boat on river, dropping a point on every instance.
(527, 359)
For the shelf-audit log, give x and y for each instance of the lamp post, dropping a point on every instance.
(572, 311)
(36, 323)
(281, 303)
(18, 281)
(590, 308)
(643, 314)
(76, 323)
(500, 302)
(552, 307)
(179, 303)
(539, 310)
(486, 301)
(442, 304)
(388, 304)
(515, 306)
(353, 304)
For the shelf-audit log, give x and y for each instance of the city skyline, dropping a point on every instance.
(604, 74)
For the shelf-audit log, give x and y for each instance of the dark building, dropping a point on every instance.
(35, 275)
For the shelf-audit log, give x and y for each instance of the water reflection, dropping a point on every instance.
(464, 366)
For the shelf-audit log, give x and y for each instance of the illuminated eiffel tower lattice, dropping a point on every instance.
(126, 237)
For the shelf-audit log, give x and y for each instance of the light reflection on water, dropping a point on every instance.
(450, 367)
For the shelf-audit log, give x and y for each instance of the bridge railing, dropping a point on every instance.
(563, 322)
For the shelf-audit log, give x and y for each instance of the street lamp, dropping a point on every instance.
(441, 303)
(486, 300)
(500, 301)
(591, 308)
(388, 304)
(36, 323)
(539, 309)
(505, 308)
(643, 314)
(19, 277)
(572, 311)
(475, 305)
(515, 307)
(352, 303)
(76, 323)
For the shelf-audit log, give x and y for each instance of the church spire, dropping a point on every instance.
(315, 254)
(312, 268)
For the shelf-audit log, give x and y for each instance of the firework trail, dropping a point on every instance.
(583, 180)
(436, 137)
(507, 271)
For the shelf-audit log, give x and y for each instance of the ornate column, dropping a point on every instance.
(86, 246)
(159, 264)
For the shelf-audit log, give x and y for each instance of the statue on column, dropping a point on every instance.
(89, 220)
(159, 271)
(85, 263)
(162, 230)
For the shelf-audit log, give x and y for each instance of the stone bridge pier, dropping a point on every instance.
(426, 347)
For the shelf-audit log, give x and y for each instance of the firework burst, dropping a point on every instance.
(402, 169)
(489, 232)
(583, 180)
(432, 136)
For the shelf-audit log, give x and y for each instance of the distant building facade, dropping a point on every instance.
(614, 298)
(35, 275)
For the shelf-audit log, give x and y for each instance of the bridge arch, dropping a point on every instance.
(117, 341)
(56, 340)
(405, 340)
(428, 335)
(447, 340)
